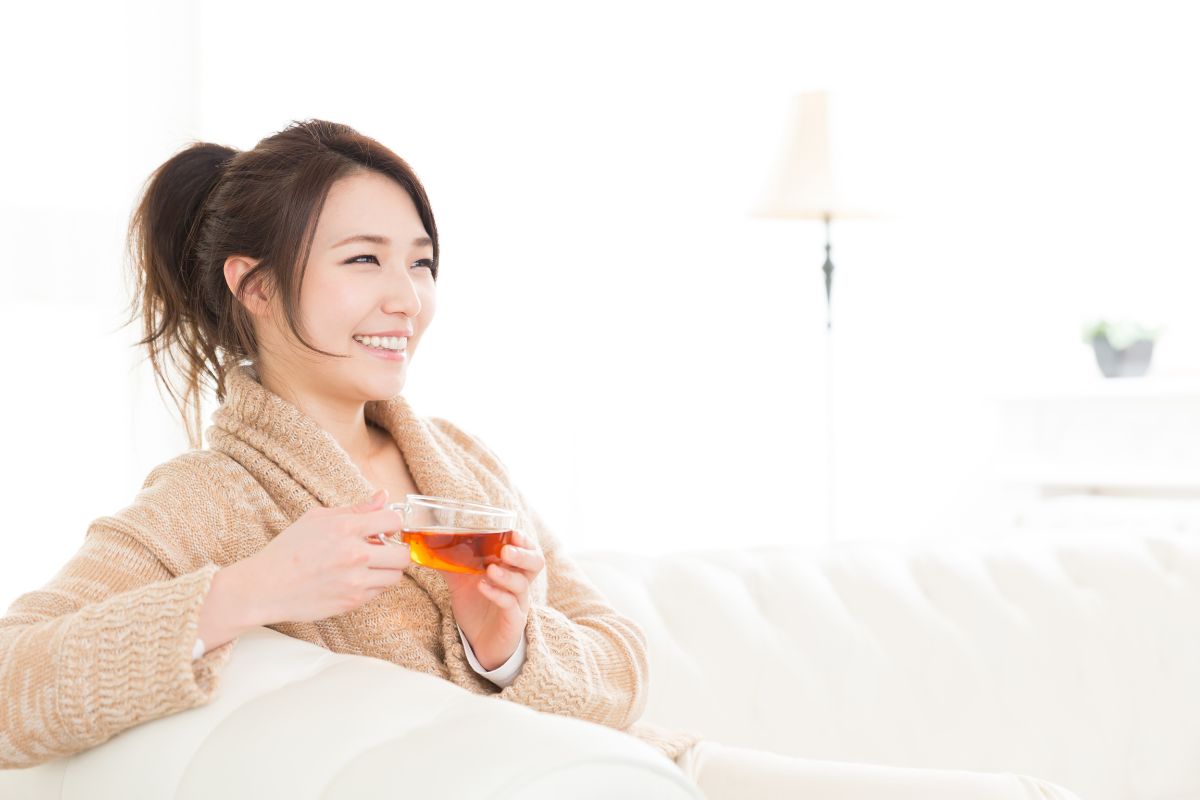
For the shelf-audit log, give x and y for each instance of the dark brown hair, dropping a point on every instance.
(208, 202)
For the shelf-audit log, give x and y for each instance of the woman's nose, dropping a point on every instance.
(402, 295)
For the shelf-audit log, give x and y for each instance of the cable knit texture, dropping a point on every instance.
(107, 644)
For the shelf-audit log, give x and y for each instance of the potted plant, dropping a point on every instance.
(1123, 349)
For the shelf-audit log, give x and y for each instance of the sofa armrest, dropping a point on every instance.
(292, 719)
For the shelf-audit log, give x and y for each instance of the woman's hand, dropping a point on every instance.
(329, 561)
(492, 608)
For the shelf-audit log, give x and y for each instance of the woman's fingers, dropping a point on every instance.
(523, 558)
(506, 583)
(378, 589)
(369, 524)
(372, 503)
(391, 554)
(515, 582)
(499, 596)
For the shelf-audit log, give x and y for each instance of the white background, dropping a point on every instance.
(653, 359)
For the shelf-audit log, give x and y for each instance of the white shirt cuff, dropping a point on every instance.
(502, 675)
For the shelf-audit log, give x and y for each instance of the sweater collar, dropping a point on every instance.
(301, 464)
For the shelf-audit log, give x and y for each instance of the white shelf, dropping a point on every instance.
(1148, 387)
(1136, 515)
(1091, 475)
(1134, 437)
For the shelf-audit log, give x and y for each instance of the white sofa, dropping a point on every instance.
(1075, 659)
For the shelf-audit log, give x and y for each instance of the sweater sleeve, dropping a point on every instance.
(583, 658)
(104, 646)
(502, 675)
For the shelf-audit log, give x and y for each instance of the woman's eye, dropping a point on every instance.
(424, 262)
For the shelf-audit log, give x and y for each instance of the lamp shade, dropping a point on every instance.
(800, 184)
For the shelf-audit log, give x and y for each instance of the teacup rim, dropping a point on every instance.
(452, 504)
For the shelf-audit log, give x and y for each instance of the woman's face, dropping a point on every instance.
(369, 274)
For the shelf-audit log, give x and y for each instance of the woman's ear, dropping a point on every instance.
(255, 299)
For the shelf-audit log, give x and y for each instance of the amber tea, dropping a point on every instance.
(453, 550)
(453, 535)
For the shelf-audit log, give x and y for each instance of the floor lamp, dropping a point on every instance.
(800, 186)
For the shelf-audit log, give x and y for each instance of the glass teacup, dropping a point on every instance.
(453, 535)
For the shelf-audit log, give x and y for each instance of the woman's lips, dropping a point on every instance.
(386, 355)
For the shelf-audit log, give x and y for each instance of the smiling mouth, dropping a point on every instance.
(393, 344)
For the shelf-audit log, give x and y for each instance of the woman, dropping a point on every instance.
(296, 280)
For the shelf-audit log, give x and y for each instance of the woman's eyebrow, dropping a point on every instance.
(374, 238)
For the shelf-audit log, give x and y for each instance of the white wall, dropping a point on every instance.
(91, 107)
(592, 175)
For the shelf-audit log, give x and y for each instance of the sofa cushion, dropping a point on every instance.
(1066, 655)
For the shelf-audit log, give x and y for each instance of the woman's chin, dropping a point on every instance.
(384, 388)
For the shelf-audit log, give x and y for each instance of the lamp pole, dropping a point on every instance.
(829, 407)
(828, 270)
(800, 186)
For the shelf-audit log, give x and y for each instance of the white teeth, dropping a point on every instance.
(384, 342)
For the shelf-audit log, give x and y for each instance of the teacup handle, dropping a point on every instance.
(402, 509)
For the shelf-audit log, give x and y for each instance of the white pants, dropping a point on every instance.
(724, 772)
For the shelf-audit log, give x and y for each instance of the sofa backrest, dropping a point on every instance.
(1073, 658)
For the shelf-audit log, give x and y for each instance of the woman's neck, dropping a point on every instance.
(345, 422)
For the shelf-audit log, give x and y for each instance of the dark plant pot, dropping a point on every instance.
(1132, 362)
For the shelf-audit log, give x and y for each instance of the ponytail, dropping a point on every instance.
(180, 325)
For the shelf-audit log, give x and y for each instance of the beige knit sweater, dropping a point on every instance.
(107, 644)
